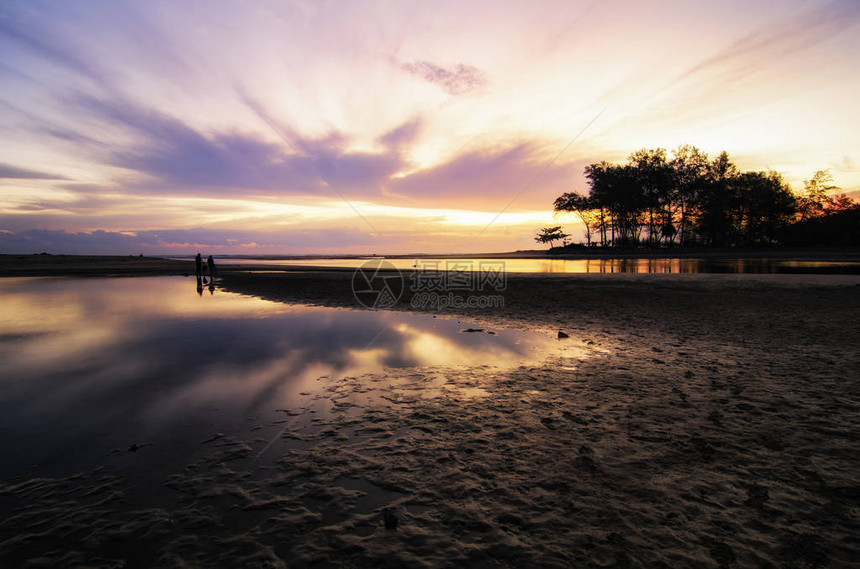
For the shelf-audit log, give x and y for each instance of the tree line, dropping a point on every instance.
(687, 199)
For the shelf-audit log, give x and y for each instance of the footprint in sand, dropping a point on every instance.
(585, 460)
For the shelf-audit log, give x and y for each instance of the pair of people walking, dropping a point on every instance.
(210, 266)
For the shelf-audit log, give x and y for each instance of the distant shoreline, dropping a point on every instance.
(811, 253)
(116, 265)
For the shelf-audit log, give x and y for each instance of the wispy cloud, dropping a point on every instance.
(15, 36)
(180, 241)
(175, 157)
(7, 171)
(778, 42)
(456, 80)
(490, 178)
(402, 136)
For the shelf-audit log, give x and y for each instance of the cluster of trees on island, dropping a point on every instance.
(690, 200)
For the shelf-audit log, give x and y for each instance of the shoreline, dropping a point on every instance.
(117, 265)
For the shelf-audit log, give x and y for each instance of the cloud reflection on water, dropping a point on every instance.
(95, 363)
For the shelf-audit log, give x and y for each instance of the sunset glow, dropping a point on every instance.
(377, 127)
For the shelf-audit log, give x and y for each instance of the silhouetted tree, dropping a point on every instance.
(841, 228)
(818, 198)
(619, 199)
(655, 177)
(691, 168)
(841, 202)
(583, 207)
(767, 206)
(550, 235)
(692, 200)
(717, 222)
(814, 200)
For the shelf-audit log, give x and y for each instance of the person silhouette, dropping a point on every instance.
(199, 262)
(210, 263)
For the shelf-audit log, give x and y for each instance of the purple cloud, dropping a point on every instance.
(7, 171)
(181, 160)
(13, 34)
(178, 159)
(403, 135)
(456, 80)
(484, 179)
(182, 241)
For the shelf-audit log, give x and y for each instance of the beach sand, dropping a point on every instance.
(703, 421)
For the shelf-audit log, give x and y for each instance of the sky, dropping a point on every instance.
(262, 128)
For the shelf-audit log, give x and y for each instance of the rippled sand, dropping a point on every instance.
(702, 422)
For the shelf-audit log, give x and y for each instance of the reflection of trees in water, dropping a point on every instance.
(692, 266)
(643, 266)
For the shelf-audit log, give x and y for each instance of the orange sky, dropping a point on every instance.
(363, 127)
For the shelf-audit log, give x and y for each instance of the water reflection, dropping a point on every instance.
(89, 365)
(626, 265)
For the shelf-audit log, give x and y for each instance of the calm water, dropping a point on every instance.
(741, 266)
(91, 365)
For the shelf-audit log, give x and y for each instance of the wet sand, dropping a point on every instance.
(90, 265)
(707, 421)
